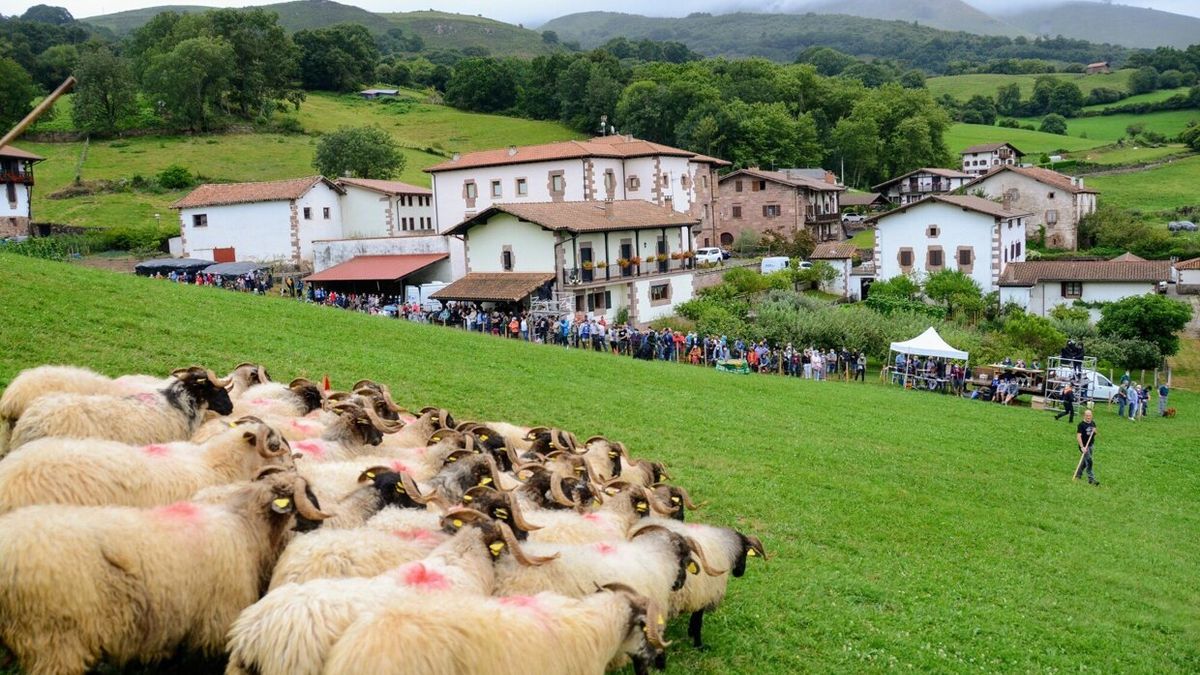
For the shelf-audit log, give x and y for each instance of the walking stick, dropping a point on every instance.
(1082, 455)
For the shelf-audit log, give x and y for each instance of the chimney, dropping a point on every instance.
(608, 209)
(456, 156)
(512, 150)
(830, 178)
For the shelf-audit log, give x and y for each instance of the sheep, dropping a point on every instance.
(291, 630)
(728, 550)
(123, 584)
(348, 436)
(416, 432)
(543, 488)
(170, 414)
(87, 472)
(379, 487)
(604, 457)
(502, 506)
(296, 399)
(611, 522)
(458, 476)
(643, 472)
(546, 634)
(677, 497)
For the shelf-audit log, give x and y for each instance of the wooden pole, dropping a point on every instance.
(37, 112)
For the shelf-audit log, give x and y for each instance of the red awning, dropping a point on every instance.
(377, 267)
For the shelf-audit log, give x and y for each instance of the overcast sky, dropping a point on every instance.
(532, 12)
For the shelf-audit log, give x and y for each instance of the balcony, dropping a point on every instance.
(812, 218)
(616, 272)
(19, 178)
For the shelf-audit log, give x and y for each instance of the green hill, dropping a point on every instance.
(294, 16)
(961, 136)
(907, 530)
(1113, 23)
(963, 87)
(443, 30)
(944, 14)
(123, 23)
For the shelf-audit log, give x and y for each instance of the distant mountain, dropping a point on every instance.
(1118, 24)
(294, 16)
(123, 23)
(945, 14)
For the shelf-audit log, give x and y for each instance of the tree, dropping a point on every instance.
(954, 290)
(800, 246)
(55, 64)
(1033, 333)
(338, 58)
(106, 93)
(912, 79)
(1151, 317)
(1191, 136)
(189, 83)
(979, 110)
(1143, 80)
(19, 92)
(267, 59)
(1054, 124)
(814, 277)
(856, 142)
(549, 37)
(482, 84)
(57, 16)
(828, 61)
(1008, 99)
(358, 152)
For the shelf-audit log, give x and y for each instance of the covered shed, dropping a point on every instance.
(496, 287)
(148, 268)
(382, 273)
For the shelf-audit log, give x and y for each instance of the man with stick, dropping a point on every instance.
(1086, 437)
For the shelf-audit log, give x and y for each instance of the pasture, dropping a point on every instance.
(907, 530)
(961, 136)
(1168, 186)
(963, 87)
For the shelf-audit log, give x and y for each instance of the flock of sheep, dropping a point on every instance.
(301, 531)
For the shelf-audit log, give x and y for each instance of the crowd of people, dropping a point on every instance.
(259, 282)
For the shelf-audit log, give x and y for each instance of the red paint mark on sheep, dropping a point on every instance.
(531, 605)
(313, 448)
(301, 425)
(591, 517)
(261, 401)
(184, 513)
(147, 399)
(407, 419)
(605, 549)
(415, 534)
(420, 576)
(400, 467)
(156, 450)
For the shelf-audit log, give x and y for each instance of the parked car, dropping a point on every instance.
(853, 218)
(805, 265)
(1099, 387)
(1181, 226)
(711, 254)
(774, 264)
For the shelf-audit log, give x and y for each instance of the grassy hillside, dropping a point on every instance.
(963, 87)
(943, 14)
(443, 30)
(1112, 127)
(1168, 186)
(1151, 97)
(126, 22)
(294, 16)
(907, 530)
(961, 136)
(1114, 23)
(247, 157)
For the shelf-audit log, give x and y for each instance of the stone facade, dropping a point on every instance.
(751, 202)
(14, 226)
(1056, 207)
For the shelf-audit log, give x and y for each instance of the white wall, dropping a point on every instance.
(320, 197)
(957, 227)
(1047, 295)
(841, 285)
(532, 246)
(452, 208)
(681, 291)
(21, 210)
(1189, 277)
(260, 231)
(327, 253)
(364, 213)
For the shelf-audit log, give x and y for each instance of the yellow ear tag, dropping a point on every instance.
(232, 425)
(282, 502)
(486, 480)
(456, 522)
(642, 506)
(500, 513)
(611, 491)
(661, 621)
(693, 568)
(371, 475)
(400, 489)
(483, 437)
(675, 500)
(752, 553)
(613, 454)
(580, 469)
(496, 547)
(467, 499)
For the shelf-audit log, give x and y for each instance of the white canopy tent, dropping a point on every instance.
(928, 344)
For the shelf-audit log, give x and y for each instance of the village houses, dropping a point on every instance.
(920, 183)
(1056, 202)
(785, 201)
(979, 159)
(840, 256)
(16, 179)
(1040, 286)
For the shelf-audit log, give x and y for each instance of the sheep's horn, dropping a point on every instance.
(493, 470)
(269, 470)
(621, 449)
(655, 504)
(756, 545)
(645, 529)
(465, 514)
(510, 540)
(301, 382)
(556, 490)
(410, 488)
(525, 466)
(534, 431)
(513, 458)
(592, 439)
(262, 374)
(683, 495)
(699, 552)
(654, 625)
(303, 505)
(371, 472)
(466, 426)
(263, 443)
(365, 384)
(387, 399)
(519, 517)
(386, 426)
(247, 419)
(220, 382)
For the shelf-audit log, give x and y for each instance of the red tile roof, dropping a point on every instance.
(785, 179)
(17, 153)
(494, 286)
(1193, 264)
(1046, 176)
(627, 214)
(1128, 257)
(1030, 273)
(220, 194)
(861, 199)
(391, 187)
(831, 250)
(377, 267)
(619, 147)
(966, 202)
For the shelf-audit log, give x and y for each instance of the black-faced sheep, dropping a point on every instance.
(125, 585)
(296, 399)
(92, 472)
(171, 414)
(622, 509)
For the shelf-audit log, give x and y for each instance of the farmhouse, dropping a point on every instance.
(979, 159)
(1040, 286)
(1098, 68)
(597, 256)
(970, 234)
(371, 94)
(618, 168)
(841, 256)
(16, 179)
(1189, 276)
(1056, 201)
(786, 201)
(920, 183)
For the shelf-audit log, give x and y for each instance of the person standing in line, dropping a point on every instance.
(860, 368)
(1068, 399)
(1163, 390)
(1085, 435)
(1134, 404)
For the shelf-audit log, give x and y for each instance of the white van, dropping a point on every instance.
(1099, 387)
(774, 264)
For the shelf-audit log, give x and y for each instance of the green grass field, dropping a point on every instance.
(1110, 128)
(254, 157)
(961, 136)
(963, 87)
(1163, 187)
(1129, 154)
(907, 530)
(1151, 97)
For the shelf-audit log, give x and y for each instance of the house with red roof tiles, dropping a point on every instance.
(1056, 202)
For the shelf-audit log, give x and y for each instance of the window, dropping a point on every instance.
(506, 260)
(200, 220)
(737, 186)
(737, 211)
(932, 232)
(522, 187)
(1051, 216)
(610, 180)
(933, 259)
(660, 293)
(1020, 248)
(497, 191)
(1050, 196)
(600, 300)
(706, 181)
(307, 213)
(325, 212)
(905, 259)
(471, 190)
(760, 185)
(1072, 289)
(558, 183)
(634, 183)
(964, 257)
(666, 180)
(771, 211)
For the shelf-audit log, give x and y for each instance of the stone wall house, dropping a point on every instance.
(840, 255)
(1056, 201)
(784, 201)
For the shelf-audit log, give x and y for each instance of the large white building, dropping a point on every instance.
(617, 168)
(599, 257)
(1040, 286)
(970, 234)
(979, 159)
(16, 180)
(1056, 202)
(920, 183)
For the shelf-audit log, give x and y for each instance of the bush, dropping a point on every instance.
(1054, 124)
(1008, 123)
(175, 177)
(1151, 318)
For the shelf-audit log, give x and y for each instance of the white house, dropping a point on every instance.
(841, 256)
(270, 221)
(1056, 202)
(1188, 276)
(385, 208)
(920, 183)
(970, 234)
(979, 159)
(16, 179)
(618, 168)
(602, 255)
(1040, 286)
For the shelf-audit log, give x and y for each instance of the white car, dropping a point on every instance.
(709, 255)
(853, 218)
(1099, 387)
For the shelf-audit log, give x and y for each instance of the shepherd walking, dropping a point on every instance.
(1086, 436)
(1068, 401)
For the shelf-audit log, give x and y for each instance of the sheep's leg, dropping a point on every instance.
(695, 627)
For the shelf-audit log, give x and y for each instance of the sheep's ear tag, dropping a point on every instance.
(467, 499)
(400, 489)
(496, 547)
(370, 474)
(752, 553)
(675, 500)
(456, 522)
(232, 425)
(611, 491)
(613, 454)
(642, 506)
(500, 512)
(435, 439)
(486, 480)
(693, 568)
(281, 505)
(483, 437)
(660, 620)
(580, 469)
